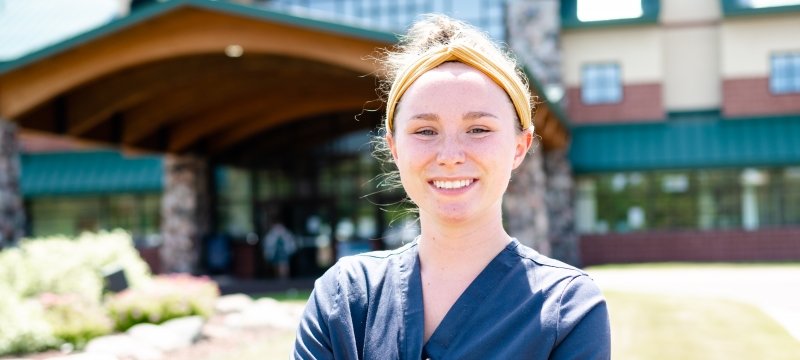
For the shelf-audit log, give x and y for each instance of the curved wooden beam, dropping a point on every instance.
(91, 104)
(184, 31)
(145, 119)
(318, 105)
(209, 121)
(186, 133)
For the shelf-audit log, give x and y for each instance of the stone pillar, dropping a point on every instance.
(534, 28)
(524, 207)
(12, 213)
(560, 210)
(184, 212)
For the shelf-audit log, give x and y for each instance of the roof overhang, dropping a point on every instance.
(159, 79)
(696, 142)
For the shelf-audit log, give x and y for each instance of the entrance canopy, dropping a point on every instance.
(203, 77)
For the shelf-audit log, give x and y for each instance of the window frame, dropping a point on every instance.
(793, 73)
(599, 85)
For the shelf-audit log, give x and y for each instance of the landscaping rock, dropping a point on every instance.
(85, 356)
(186, 328)
(266, 312)
(158, 337)
(233, 303)
(122, 346)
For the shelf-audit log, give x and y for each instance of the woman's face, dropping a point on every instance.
(455, 143)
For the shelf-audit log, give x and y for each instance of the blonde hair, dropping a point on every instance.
(437, 39)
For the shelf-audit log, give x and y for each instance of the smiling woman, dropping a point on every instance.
(458, 123)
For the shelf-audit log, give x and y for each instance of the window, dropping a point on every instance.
(601, 84)
(594, 10)
(785, 75)
(750, 198)
(768, 3)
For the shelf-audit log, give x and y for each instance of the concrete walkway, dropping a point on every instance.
(774, 289)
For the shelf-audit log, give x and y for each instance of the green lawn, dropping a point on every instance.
(646, 326)
(650, 326)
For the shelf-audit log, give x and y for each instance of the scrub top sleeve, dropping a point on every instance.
(583, 325)
(313, 334)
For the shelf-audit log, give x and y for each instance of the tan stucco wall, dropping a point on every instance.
(746, 43)
(691, 68)
(678, 11)
(637, 49)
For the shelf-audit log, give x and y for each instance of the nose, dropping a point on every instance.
(451, 152)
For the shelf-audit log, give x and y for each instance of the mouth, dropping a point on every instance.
(452, 184)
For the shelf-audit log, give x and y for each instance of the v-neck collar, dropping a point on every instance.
(459, 313)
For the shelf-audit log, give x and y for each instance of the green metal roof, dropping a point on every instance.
(696, 141)
(146, 12)
(89, 173)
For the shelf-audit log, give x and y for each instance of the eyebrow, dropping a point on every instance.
(472, 115)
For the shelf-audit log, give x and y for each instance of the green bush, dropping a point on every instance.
(24, 327)
(75, 320)
(166, 297)
(61, 265)
(70, 270)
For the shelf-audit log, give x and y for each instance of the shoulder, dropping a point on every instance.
(552, 275)
(360, 271)
(543, 264)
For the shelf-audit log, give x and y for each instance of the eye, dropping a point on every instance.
(425, 132)
(478, 131)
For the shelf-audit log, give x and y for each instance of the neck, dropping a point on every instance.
(447, 245)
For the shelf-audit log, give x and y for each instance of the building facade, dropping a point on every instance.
(265, 111)
(686, 129)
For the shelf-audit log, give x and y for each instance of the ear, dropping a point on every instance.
(524, 142)
(392, 146)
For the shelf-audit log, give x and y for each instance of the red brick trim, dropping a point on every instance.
(657, 246)
(748, 97)
(641, 102)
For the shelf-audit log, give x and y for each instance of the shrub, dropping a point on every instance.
(166, 297)
(24, 328)
(74, 319)
(61, 265)
(70, 272)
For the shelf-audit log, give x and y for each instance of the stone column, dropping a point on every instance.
(534, 28)
(184, 212)
(524, 206)
(560, 210)
(12, 213)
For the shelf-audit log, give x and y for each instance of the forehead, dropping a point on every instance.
(454, 84)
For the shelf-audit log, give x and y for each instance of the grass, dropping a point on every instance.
(290, 296)
(646, 326)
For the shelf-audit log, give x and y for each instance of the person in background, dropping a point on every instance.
(278, 247)
(458, 122)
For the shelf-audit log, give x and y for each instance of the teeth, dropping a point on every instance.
(452, 184)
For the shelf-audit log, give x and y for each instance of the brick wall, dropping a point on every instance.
(642, 102)
(748, 97)
(658, 246)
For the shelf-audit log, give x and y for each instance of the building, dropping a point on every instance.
(253, 105)
(677, 123)
(686, 129)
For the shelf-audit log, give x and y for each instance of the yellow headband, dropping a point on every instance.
(510, 83)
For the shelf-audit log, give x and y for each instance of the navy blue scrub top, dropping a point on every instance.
(523, 305)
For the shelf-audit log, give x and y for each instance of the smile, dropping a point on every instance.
(452, 184)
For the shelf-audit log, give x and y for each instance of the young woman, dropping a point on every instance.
(458, 122)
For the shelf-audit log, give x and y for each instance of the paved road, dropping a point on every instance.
(774, 289)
